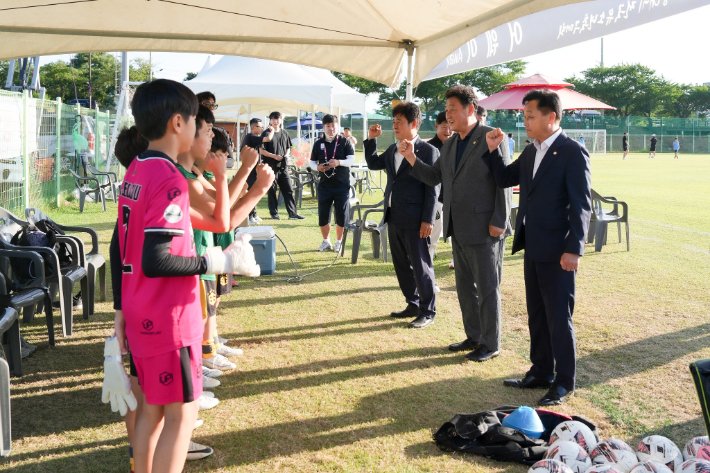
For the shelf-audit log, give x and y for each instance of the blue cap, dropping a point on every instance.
(525, 418)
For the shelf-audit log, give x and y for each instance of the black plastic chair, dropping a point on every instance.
(601, 218)
(10, 330)
(108, 181)
(83, 184)
(378, 232)
(354, 225)
(93, 261)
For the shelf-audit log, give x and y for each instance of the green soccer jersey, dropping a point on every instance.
(203, 239)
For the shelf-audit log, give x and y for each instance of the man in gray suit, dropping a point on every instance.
(476, 217)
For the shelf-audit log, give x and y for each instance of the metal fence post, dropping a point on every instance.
(25, 150)
(58, 152)
(97, 138)
(108, 137)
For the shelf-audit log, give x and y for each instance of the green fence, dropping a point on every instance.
(40, 142)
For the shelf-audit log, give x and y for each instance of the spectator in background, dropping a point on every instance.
(625, 144)
(676, 147)
(347, 133)
(581, 141)
(255, 139)
(208, 100)
(481, 114)
(511, 144)
(652, 151)
(527, 142)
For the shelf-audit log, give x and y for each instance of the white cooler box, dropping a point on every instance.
(263, 241)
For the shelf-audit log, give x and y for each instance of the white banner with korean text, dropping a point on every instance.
(556, 28)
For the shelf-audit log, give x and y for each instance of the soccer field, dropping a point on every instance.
(330, 382)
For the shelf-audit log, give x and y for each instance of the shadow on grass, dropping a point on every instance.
(229, 304)
(300, 328)
(107, 455)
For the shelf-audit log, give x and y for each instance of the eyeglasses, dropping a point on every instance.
(210, 105)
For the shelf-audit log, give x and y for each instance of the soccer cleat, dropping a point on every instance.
(210, 373)
(338, 244)
(325, 246)
(218, 362)
(224, 350)
(198, 452)
(198, 424)
(209, 383)
(207, 402)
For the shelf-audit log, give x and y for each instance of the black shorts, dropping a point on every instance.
(653, 149)
(208, 298)
(626, 148)
(327, 197)
(224, 284)
(132, 366)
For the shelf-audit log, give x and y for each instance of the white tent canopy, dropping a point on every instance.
(361, 37)
(244, 84)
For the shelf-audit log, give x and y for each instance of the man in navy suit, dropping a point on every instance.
(552, 224)
(410, 211)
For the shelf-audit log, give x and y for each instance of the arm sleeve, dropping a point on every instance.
(157, 261)
(431, 193)
(429, 175)
(579, 188)
(349, 152)
(503, 199)
(375, 162)
(116, 273)
(505, 175)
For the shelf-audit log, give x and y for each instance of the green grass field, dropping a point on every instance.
(329, 382)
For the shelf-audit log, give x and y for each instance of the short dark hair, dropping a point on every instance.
(510, 135)
(129, 144)
(547, 101)
(441, 118)
(254, 121)
(220, 141)
(204, 115)
(155, 102)
(624, 132)
(346, 128)
(409, 110)
(480, 110)
(465, 94)
(274, 115)
(202, 96)
(329, 119)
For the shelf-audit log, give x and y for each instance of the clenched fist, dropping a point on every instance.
(216, 163)
(494, 138)
(374, 131)
(249, 157)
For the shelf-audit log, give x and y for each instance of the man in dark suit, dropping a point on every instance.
(552, 224)
(410, 210)
(476, 217)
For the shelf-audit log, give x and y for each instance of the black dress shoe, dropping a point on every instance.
(555, 396)
(481, 354)
(421, 321)
(276, 217)
(296, 217)
(466, 345)
(408, 313)
(528, 382)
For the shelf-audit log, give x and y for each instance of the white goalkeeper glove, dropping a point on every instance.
(238, 258)
(117, 385)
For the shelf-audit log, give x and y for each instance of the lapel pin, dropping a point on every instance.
(554, 152)
(474, 142)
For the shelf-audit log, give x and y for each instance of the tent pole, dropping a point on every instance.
(410, 71)
(313, 126)
(364, 130)
(298, 131)
(239, 130)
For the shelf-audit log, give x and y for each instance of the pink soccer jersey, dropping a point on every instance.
(162, 314)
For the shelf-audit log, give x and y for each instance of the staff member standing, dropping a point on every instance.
(552, 224)
(332, 155)
(476, 216)
(275, 154)
(410, 208)
(254, 139)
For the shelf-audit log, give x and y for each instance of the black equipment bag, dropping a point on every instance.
(700, 370)
(43, 233)
(483, 434)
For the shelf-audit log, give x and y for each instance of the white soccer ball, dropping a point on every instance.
(694, 465)
(549, 466)
(616, 452)
(659, 449)
(650, 466)
(569, 453)
(577, 432)
(604, 468)
(693, 445)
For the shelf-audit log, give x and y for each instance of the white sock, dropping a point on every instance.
(338, 241)
(326, 240)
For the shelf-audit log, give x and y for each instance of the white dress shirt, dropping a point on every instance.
(541, 151)
(398, 158)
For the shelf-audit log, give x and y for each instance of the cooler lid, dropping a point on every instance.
(257, 233)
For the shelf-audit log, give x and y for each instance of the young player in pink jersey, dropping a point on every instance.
(162, 316)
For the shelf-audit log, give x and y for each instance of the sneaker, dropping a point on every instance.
(252, 221)
(198, 424)
(451, 265)
(296, 217)
(221, 340)
(257, 219)
(325, 246)
(198, 452)
(224, 350)
(76, 302)
(209, 383)
(218, 362)
(436, 289)
(210, 373)
(26, 349)
(207, 402)
(208, 394)
(275, 217)
(235, 283)
(338, 245)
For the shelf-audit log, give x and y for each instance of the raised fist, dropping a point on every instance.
(216, 163)
(249, 157)
(374, 131)
(494, 138)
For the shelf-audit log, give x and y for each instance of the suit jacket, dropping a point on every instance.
(471, 198)
(413, 202)
(556, 204)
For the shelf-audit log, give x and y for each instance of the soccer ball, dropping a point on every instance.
(569, 453)
(577, 432)
(693, 445)
(703, 453)
(549, 466)
(694, 466)
(650, 466)
(660, 449)
(614, 451)
(604, 468)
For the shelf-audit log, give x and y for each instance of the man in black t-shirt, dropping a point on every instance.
(332, 156)
(254, 139)
(275, 153)
(652, 151)
(625, 144)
